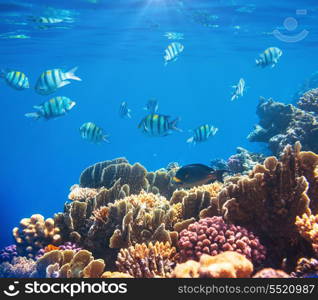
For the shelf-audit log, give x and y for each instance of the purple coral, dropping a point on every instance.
(213, 236)
(19, 267)
(70, 246)
(8, 253)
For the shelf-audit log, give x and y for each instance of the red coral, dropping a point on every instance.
(213, 236)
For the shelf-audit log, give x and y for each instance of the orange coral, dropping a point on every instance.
(50, 247)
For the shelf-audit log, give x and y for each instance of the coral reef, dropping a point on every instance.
(35, 233)
(281, 125)
(271, 197)
(147, 261)
(244, 161)
(19, 267)
(307, 226)
(224, 265)
(309, 101)
(213, 236)
(305, 267)
(8, 253)
(78, 193)
(115, 275)
(68, 264)
(309, 84)
(271, 273)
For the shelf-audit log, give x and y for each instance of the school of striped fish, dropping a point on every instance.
(154, 124)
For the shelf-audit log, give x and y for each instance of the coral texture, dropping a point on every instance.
(115, 275)
(307, 226)
(78, 193)
(68, 264)
(305, 267)
(213, 236)
(19, 267)
(8, 253)
(147, 261)
(224, 265)
(35, 233)
(271, 273)
(309, 101)
(271, 197)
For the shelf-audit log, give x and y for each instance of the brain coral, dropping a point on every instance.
(213, 236)
(147, 261)
(224, 265)
(35, 233)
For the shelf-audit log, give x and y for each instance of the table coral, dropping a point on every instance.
(213, 236)
(35, 233)
(224, 265)
(147, 260)
(68, 264)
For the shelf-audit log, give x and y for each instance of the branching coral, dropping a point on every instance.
(225, 265)
(307, 226)
(19, 267)
(35, 233)
(147, 261)
(212, 236)
(68, 264)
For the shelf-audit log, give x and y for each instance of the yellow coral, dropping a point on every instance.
(307, 226)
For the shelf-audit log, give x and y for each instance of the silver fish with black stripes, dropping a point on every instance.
(91, 132)
(269, 57)
(53, 108)
(202, 134)
(172, 52)
(239, 89)
(51, 80)
(156, 125)
(16, 79)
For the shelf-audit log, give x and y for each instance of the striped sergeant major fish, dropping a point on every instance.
(174, 35)
(55, 107)
(45, 20)
(172, 52)
(202, 134)
(91, 132)
(158, 125)
(239, 90)
(15, 79)
(124, 111)
(269, 57)
(51, 80)
(152, 106)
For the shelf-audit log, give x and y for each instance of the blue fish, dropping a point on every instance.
(16, 79)
(91, 132)
(269, 57)
(202, 134)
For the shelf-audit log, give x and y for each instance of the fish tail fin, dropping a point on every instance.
(233, 97)
(190, 140)
(33, 115)
(71, 74)
(174, 125)
(105, 139)
(219, 174)
(129, 113)
(214, 130)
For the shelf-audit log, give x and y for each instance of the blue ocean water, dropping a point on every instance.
(118, 46)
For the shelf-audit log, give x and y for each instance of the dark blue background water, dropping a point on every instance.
(118, 47)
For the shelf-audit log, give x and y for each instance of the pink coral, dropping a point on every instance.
(213, 236)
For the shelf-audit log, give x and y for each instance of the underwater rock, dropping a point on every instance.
(228, 264)
(271, 273)
(19, 267)
(270, 198)
(309, 101)
(35, 233)
(68, 264)
(147, 260)
(212, 236)
(281, 125)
